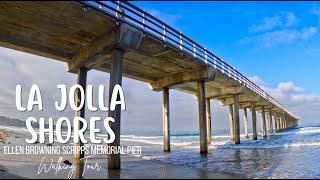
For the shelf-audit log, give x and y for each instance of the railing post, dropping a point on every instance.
(194, 51)
(164, 33)
(181, 43)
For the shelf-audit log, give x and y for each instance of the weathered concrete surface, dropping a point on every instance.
(115, 78)
(254, 121)
(166, 120)
(208, 115)
(82, 81)
(202, 118)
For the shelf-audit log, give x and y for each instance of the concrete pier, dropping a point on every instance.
(236, 119)
(166, 120)
(93, 40)
(245, 119)
(82, 81)
(202, 118)
(208, 115)
(254, 121)
(115, 78)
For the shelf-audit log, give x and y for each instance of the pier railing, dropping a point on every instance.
(132, 15)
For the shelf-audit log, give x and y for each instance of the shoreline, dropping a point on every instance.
(22, 166)
(131, 168)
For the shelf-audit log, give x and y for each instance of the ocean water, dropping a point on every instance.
(294, 153)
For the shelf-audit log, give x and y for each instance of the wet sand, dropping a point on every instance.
(27, 166)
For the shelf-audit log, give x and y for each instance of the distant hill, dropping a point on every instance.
(6, 121)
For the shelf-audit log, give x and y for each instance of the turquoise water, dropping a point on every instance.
(290, 154)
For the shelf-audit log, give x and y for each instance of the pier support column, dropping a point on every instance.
(275, 122)
(236, 119)
(267, 121)
(286, 123)
(278, 122)
(264, 128)
(254, 121)
(202, 118)
(82, 81)
(270, 120)
(166, 120)
(115, 78)
(231, 122)
(208, 115)
(245, 118)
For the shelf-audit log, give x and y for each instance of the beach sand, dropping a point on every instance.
(26, 166)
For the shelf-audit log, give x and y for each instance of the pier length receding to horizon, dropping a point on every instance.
(121, 39)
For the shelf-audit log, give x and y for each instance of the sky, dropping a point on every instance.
(275, 44)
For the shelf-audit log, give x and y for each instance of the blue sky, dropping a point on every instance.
(275, 44)
(258, 38)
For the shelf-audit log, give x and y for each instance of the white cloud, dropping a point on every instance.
(316, 11)
(284, 19)
(267, 23)
(304, 105)
(256, 79)
(277, 30)
(289, 87)
(307, 33)
(290, 19)
(279, 37)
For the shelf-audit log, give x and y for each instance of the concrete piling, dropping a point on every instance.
(236, 119)
(231, 122)
(208, 115)
(270, 120)
(245, 119)
(115, 78)
(166, 120)
(264, 128)
(202, 117)
(254, 121)
(82, 81)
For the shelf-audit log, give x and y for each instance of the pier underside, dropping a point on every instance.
(88, 39)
